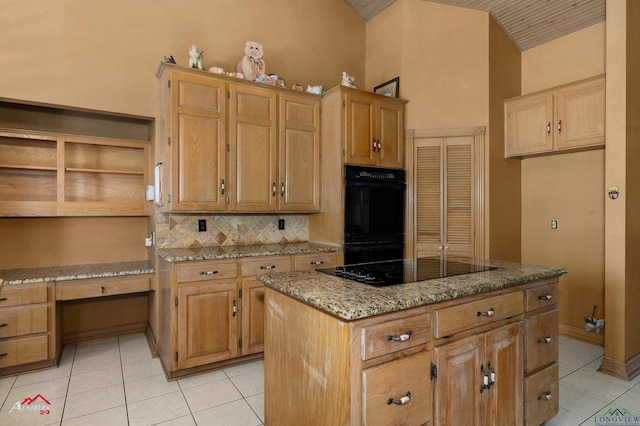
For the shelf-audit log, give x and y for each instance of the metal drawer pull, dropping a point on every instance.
(402, 338)
(3, 354)
(4, 324)
(545, 297)
(317, 262)
(208, 272)
(491, 312)
(545, 340)
(2, 299)
(546, 397)
(402, 401)
(268, 267)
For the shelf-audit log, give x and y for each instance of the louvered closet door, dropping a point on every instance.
(444, 196)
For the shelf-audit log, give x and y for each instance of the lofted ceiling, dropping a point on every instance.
(529, 23)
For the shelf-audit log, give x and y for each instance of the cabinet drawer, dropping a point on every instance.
(376, 340)
(204, 271)
(19, 321)
(541, 396)
(541, 297)
(263, 265)
(23, 350)
(393, 381)
(15, 295)
(455, 319)
(100, 287)
(542, 333)
(314, 261)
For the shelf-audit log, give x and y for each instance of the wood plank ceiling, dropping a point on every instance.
(529, 23)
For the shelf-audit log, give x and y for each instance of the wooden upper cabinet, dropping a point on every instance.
(374, 129)
(565, 118)
(299, 154)
(198, 143)
(252, 148)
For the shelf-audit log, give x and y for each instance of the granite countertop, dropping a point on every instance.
(351, 300)
(74, 272)
(234, 252)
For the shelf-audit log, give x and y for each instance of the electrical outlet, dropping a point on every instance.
(281, 224)
(202, 225)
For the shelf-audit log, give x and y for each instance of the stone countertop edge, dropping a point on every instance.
(239, 251)
(350, 300)
(74, 272)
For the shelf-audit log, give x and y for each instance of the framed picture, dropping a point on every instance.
(390, 88)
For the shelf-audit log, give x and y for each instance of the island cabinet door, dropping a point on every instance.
(458, 400)
(207, 323)
(398, 392)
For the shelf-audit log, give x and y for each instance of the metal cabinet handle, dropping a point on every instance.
(374, 145)
(401, 338)
(545, 297)
(491, 312)
(485, 379)
(282, 189)
(402, 401)
(560, 126)
(317, 262)
(548, 128)
(492, 374)
(268, 267)
(274, 189)
(3, 354)
(4, 324)
(545, 340)
(379, 145)
(2, 299)
(208, 272)
(546, 397)
(222, 187)
(235, 308)
(440, 247)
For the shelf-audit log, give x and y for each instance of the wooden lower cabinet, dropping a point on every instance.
(207, 323)
(252, 317)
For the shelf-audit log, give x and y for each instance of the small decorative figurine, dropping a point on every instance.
(347, 80)
(216, 70)
(315, 89)
(169, 60)
(196, 60)
(297, 87)
(252, 65)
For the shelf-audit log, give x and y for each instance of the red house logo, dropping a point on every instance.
(38, 403)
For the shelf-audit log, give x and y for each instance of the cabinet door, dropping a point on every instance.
(529, 125)
(299, 151)
(390, 134)
(198, 147)
(252, 155)
(459, 197)
(580, 115)
(207, 323)
(429, 196)
(252, 317)
(360, 128)
(505, 353)
(458, 400)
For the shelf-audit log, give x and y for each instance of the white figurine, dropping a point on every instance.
(347, 80)
(315, 89)
(196, 60)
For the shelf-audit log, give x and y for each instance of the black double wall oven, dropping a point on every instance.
(374, 207)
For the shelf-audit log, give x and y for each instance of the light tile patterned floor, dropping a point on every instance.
(116, 382)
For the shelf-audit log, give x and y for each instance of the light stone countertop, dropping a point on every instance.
(350, 300)
(74, 272)
(234, 252)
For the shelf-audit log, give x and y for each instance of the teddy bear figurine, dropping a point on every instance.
(252, 65)
(196, 60)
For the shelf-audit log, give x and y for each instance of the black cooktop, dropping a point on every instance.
(393, 272)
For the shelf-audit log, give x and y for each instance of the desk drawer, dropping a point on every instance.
(19, 321)
(13, 295)
(542, 332)
(459, 318)
(100, 287)
(23, 350)
(314, 261)
(541, 297)
(207, 270)
(376, 340)
(541, 399)
(257, 266)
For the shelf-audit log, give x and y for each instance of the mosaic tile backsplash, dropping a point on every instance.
(181, 231)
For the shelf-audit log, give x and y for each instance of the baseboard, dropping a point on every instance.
(580, 333)
(153, 343)
(622, 370)
(104, 333)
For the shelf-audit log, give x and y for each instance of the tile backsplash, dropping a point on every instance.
(181, 231)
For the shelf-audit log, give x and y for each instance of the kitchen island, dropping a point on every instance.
(478, 348)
